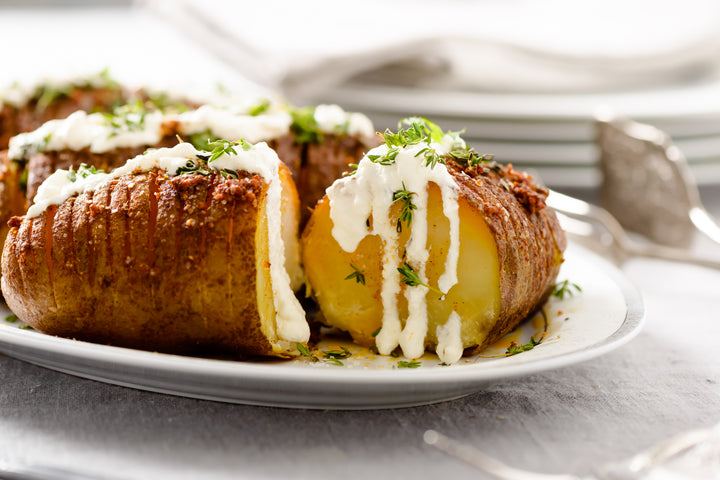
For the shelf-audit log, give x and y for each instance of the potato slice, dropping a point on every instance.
(509, 253)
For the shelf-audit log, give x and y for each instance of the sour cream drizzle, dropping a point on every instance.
(260, 159)
(230, 122)
(369, 192)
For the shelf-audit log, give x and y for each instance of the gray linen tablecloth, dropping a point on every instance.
(568, 420)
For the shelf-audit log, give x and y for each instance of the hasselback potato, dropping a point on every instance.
(430, 245)
(178, 251)
(316, 143)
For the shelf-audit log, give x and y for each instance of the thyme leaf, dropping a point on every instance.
(565, 288)
(406, 214)
(357, 275)
(305, 352)
(516, 348)
(412, 279)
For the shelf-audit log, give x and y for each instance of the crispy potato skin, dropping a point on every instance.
(315, 166)
(147, 261)
(43, 164)
(12, 198)
(510, 254)
(15, 120)
(530, 242)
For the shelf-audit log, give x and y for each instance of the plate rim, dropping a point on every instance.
(44, 350)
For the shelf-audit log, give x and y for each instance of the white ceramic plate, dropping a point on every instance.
(606, 314)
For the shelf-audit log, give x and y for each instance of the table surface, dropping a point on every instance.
(663, 382)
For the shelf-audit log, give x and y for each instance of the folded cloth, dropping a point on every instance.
(302, 48)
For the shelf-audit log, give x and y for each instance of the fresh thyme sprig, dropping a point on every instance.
(406, 214)
(565, 288)
(516, 348)
(412, 279)
(357, 275)
(415, 130)
(305, 352)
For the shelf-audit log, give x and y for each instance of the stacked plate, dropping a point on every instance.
(552, 134)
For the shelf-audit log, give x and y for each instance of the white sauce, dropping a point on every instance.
(370, 191)
(82, 130)
(230, 122)
(450, 347)
(333, 119)
(260, 159)
(19, 94)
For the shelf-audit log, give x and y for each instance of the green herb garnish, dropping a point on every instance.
(565, 288)
(406, 214)
(226, 147)
(203, 140)
(259, 108)
(406, 364)
(415, 130)
(126, 118)
(412, 279)
(335, 356)
(357, 275)
(83, 171)
(305, 352)
(304, 125)
(516, 348)
(376, 332)
(12, 318)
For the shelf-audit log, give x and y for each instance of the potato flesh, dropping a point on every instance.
(356, 308)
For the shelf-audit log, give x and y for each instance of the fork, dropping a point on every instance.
(579, 218)
(629, 469)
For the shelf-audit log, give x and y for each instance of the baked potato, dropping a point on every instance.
(177, 251)
(316, 143)
(429, 245)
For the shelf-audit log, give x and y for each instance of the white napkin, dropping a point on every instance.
(302, 48)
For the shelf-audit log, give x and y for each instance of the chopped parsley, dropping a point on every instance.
(226, 147)
(259, 108)
(126, 118)
(83, 171)
(203, 140)
(304, 125)
(357, 275)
